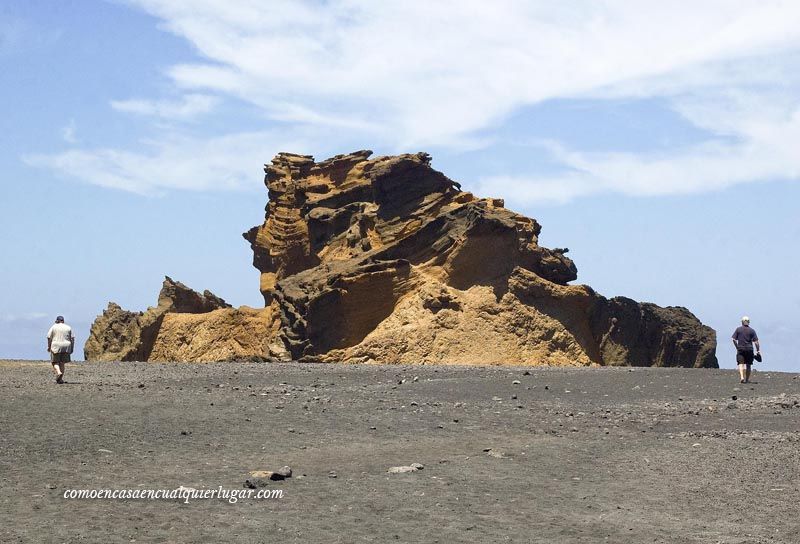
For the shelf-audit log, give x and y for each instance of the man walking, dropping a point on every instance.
(744, 338)
(60, 343)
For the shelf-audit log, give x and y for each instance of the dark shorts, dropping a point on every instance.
(63, 357)
(744, 357)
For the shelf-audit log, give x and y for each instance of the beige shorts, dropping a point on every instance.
(62, 357)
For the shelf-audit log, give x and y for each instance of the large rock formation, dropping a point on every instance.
(184, 326)
(388, 260)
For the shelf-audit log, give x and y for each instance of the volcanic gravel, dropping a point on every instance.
(508, 454)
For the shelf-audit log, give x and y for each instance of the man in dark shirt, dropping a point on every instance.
(744, 338)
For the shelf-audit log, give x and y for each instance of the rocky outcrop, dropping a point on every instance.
(184, 326)
(175, 297)
(231, 334)
(120, 335)
(388, 260)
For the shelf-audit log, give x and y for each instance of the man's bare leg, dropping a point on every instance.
(58, 370)
(742, 373)
(747, 375)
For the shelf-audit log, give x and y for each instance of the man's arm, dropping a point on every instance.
(49, 338)
(71, 342)
(758, 346)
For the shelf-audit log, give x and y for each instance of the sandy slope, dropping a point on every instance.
(581, 455)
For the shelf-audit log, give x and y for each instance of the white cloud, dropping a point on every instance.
(519, 191)
(230, 162)
(764, 129)
(30, 316)
(190, 106)
(438, 71)
(68, 132)
(410, 74)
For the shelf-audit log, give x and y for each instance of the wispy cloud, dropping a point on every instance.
(19, 36)
(30, 316)
(190, 106)
(411, 74)
(223, 163)
(434, 71)
(68, 132)
(760, 129)
(11, 32)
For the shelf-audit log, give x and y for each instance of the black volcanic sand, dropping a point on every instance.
(578, 455)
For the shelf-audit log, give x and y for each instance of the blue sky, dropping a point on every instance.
(657, 140)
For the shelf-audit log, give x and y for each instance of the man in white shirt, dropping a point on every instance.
(60, 343)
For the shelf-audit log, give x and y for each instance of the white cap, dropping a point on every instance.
(745, 318)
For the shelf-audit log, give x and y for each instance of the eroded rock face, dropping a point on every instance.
(184, 326)
(229, 334)
(387, 260)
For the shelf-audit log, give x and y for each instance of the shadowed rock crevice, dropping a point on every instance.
(386, 259)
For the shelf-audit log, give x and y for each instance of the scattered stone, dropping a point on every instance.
(413, 467)
(332, 474)
(268, 475)
(516, 382)
(255, 483)
(496, 454)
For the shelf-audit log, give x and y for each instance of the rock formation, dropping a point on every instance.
(184, 326)
(387, 260)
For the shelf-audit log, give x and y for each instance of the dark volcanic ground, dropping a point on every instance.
(578, 455)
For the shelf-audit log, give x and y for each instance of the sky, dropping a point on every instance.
(658, 141)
